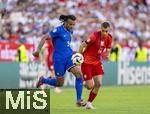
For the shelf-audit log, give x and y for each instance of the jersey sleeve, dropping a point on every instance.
(109, 42)
(91, 38)
(54, 33)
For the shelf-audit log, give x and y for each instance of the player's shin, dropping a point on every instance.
(50, 81)
(79, 88)
(92, 96)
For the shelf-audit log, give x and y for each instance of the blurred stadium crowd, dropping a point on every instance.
(29, 19)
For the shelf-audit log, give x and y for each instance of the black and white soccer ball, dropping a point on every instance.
(77, 58)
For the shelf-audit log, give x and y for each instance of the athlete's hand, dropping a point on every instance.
(36, 54)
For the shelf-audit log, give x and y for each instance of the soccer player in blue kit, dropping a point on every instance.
(61, 38)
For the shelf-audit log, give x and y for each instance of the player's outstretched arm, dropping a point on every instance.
(82, 47)
(41, 43)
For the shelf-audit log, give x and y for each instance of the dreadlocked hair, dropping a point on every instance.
(64, 18)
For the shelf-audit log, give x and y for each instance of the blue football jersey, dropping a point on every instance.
(61, 39)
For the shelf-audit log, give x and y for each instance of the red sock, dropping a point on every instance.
(92, 96)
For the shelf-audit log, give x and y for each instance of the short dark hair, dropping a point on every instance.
(105, 24)
(66, 17)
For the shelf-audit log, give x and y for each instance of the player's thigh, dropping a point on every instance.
(97, 69)
(86, 71)
(59, 67)
(68, 63)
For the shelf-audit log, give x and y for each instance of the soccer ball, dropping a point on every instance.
(77, 58)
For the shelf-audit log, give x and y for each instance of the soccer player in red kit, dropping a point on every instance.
(92, 68)
(49, 56)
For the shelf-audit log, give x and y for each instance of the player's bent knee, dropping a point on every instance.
(76, 71)
(89, 87)
(97, 85)
(60, 82)
(78, 75)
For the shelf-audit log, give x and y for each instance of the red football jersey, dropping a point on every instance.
(96, 45)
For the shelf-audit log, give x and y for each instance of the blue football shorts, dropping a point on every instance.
(61, 65)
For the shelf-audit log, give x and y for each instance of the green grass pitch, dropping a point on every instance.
(111, 100)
